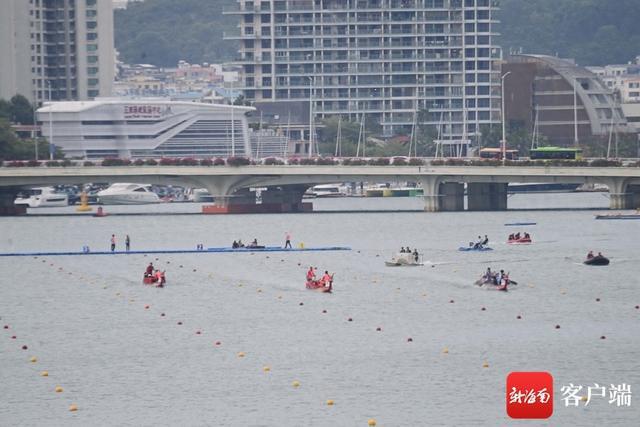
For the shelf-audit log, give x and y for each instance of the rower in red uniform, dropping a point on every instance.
(311, 274)
(149, 271)
(326, 279)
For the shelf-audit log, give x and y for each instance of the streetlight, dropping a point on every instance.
(576, 142)
(504, 122)
(233, 123)
(310, 115)
(52, 147)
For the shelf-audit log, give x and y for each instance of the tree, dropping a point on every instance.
(14, 148)
(5, 109)
(8, 139)
(21, 110)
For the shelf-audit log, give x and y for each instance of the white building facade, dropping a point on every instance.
(66, 46)
(383, 59)
(146, 128)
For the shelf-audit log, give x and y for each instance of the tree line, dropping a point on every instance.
(18, 110)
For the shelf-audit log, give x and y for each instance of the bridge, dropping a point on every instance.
(444, 186)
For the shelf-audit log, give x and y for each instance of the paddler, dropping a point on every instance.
(326, 279)
(162, 280)
(158, 276)
(311, 274)
(149, 271)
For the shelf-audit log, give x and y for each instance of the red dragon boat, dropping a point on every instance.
(319, 286)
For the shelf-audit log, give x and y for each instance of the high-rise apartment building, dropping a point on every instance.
(66, 46)
(390, 60)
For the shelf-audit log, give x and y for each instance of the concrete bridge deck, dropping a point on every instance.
(443, 185)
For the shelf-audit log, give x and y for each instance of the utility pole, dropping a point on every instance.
(504, 123)
(575, 112)
(52, 147)
(310, 116)
(233, 124)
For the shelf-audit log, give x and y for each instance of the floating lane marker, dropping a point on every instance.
(174, 251)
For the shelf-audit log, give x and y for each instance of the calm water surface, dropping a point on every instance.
(85, 320)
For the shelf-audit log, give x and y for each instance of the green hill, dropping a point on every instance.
(594, 32)
(162, 32)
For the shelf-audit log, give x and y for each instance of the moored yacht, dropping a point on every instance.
(42, 197)
(329, 190)
(128, 194)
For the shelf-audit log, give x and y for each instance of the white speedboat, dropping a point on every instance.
(329, 190)
(42, 197)
(128, 194)
(404, 260)
(199, 195)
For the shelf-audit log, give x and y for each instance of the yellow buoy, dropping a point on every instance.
(33, 359)
(44, 374)
(329, 402)
(371, 422)
(266, 368)
(583, 398)
(84, 203)
(59, 389)
(301, 245)
(485, 365)
(445, 350)
(241, 354)
(73, 408)
(296, 384)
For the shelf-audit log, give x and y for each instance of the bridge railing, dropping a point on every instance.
(319, 161)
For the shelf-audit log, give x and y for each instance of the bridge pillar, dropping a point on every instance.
(487, 196)
(451, 197)
(619, 198)
(634, 196)
(7, 197)
(287, 198)
(431, 194)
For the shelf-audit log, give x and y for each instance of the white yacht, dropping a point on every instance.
(42, 197)
(199, 195)
(329, 190)
(128, 194)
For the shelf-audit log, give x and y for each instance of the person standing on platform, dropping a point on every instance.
(127, 243)
(113, 242)
(287, 238)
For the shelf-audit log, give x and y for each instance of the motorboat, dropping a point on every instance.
(128, 194)
(200, 195)
(329, 190)
(403, 259)
(42, 197)
(597, 260)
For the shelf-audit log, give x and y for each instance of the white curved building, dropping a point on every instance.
(140, 128)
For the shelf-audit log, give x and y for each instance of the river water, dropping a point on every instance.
(86, 319)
